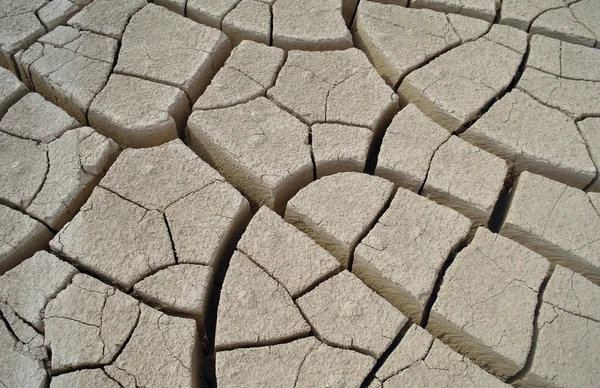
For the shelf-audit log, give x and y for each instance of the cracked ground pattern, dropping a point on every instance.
(299, 193)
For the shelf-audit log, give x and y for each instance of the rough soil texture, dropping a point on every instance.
(299, 193)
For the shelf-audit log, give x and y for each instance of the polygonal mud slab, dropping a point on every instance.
(18, 367)
(338, 148)
(27, 288)
(86, 43)
(336, 87)
(209, 12)
(344, 312)
(466, 178)
(182, 288)
(107, 17)
(69, 68)
(590, 131)
(76, 163)
(422, 361)
(88, 323)
(158, 177)
(564, 59)
(254, 309)
(249, 20)
(310, 25)
(140, 247)
(249, 71)
(570, 69)
(203, 212)
(90, 378)
(19, 27)
(11, 90)
(454, 88)
(574, 97)
(408, 146)
(402, 256)
(285, 253)
(533, 137)
(23, 169)
(163, 351)
(521, 13)
(557, 221)
(51, 175)
(20, 237)
(485, 9)
(34, 118)
(338, 210)
(304, 363)
(139, 113)
(577, 23)
(158, 198)
(32, 341)
(58, 12)
(566, 353)
(398, 40)
(161, 46)
(261, 149)
(492, 274)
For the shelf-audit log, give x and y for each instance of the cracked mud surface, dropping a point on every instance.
(285, 193)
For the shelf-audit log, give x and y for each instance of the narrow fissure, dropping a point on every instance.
(433, 58)
(440, 279)
(381, 361)
(173, 248)
(420, 192)
(13, 207)
(271, 25)
(534, 338)
(371, 226)
(512, 85)
(312, 153)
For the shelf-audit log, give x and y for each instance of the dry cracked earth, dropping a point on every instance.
(299, 193)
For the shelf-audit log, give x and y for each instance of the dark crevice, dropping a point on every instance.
(498, 13)
(440, 279)
(534, 338)
(312, 153)
(77, 368)
(264, 343)
(85, 271)
(8, 327)
(512, 85)
(13, 207)
(353, 18)
(374, 149)
(381, 361)
(271, 25)
(109, 377)
(503, 204)
(210, 318)
(173, 247)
